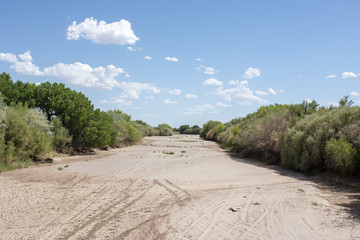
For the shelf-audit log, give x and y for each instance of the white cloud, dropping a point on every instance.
(84, 75)
(198, 59)
(272, 91)
(261, 93)
(147, 57)
(198, 109)
(168, 101)
(345, 75)
(234, 82)
(281, 91)
(225, 105)
(207, 70)
(333, 104)
(175, 91)
(251, 73)
(214, 112)
(191, 96)
(212, 81)
(308, 100)
(330, 76)
(26, 57)
(172, 59)
(353, 93)
(8, 57)
(131, 49)
(119, 100)
(119, 33)
(27, 68)
(242, 94)
(132, 90)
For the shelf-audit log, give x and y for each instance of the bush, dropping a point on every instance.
(207, 127)
(164, 130)
(26, 134)
(342, 155)
(304, 144)
(60, 135)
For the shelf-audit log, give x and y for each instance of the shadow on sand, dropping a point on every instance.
(344, 192)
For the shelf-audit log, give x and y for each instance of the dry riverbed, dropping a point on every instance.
(178, 187)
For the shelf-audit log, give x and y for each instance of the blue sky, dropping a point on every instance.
(186, 62)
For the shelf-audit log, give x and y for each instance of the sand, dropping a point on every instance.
(146, 192)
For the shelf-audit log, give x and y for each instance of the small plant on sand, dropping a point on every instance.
(171, 153)
(60, 168)
(301, 190)
(256, 203)
(314, 203)
(183, 151)
(67, 165)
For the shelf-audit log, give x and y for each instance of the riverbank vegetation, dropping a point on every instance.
(36, 119)
(303, 137)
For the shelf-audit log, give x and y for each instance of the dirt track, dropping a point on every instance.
(143, 192)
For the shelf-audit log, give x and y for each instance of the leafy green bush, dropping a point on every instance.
(342, 155)
(26, 134)
(60, 134)
(304, 144)
(207, 127)
(164, 130)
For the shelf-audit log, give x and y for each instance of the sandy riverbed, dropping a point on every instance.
(144, 192)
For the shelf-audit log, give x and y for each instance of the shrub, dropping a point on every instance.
(207, 127)
(26, 134)
(303, 147)
(342, 155)
(60, 135)
(164, 130)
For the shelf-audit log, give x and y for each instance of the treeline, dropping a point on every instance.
(186, 129)
(37, 119)
(303, 137)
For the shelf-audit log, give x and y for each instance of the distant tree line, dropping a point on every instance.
(303, 137)
(36, 119)
(186, 129)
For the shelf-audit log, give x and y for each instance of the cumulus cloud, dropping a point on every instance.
(261, 93)
(353, 93)
(345, 75)
(168, 101)
(198, 59)
(119, 100)
(330, 76)
(76, 73)
(132, 91)
(207, 70)
(147, 57)
(190, 96)
(225, 105)
(8, 57)
(27, 68)
(251, 73)
(131, 49)
(175, 91)
(172, 59)
(119, 33)
(272, 91)
(24, 66)
(198, 109)
(84, 75)
(212, 81)
(281, 91)
(242, 94)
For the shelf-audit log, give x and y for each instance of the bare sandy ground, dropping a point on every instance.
(144, 192)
